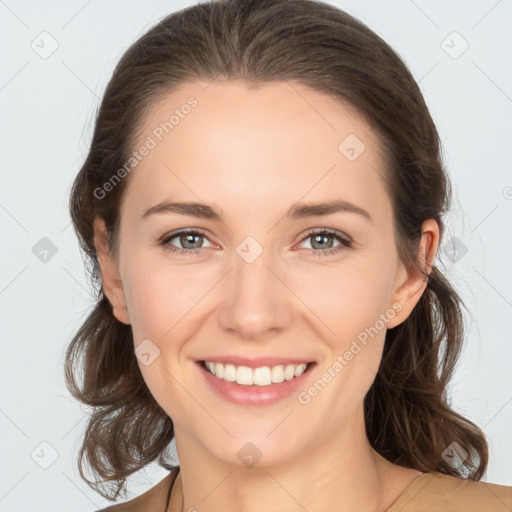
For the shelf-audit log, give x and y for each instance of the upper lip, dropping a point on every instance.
(256, 362)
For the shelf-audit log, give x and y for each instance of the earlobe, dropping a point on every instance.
(112, 284)
(409, 290)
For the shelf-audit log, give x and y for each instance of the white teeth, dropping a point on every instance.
(277, 374)
(244, 375)
(300, 369)
(262, 376)
(230, 372)
(219, 370)
(289, 372)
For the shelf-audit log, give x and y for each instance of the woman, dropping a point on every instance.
(298, 351)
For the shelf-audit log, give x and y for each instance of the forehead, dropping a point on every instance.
(254, 147)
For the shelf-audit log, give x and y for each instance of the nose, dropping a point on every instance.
(256, 302)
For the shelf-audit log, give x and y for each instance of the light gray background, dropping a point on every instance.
(47, 110)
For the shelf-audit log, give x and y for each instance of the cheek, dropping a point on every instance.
(160, 295)
(346, 299)
(355, 349)
(148, 305)
(350, 302)
(161, 303)
(350, 298)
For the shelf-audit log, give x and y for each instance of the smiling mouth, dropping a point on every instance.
(260, 376)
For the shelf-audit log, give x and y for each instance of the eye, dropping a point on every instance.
(320, 236)
(185, 237)
(191, 241)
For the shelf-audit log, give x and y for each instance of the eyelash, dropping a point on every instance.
(346, 243)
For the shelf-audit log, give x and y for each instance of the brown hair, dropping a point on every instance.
(408, 419)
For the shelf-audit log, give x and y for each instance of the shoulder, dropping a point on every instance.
(439, 492)
(153, 500)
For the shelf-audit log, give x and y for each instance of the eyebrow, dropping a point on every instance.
(297, 211)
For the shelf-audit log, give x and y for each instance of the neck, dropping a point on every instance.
(342, 473)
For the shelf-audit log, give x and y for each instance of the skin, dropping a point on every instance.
(253, 154)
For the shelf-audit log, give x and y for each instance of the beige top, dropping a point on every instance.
(428, 492)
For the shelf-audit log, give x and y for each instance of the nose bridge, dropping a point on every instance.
(255, 300)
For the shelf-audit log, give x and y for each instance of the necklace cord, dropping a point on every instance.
(169, 492)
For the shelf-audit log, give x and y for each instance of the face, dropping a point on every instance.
(259, 281)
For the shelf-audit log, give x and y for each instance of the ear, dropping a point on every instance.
(410, 285)
(112, 284)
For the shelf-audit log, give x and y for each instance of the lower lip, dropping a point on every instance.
(254, 395)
